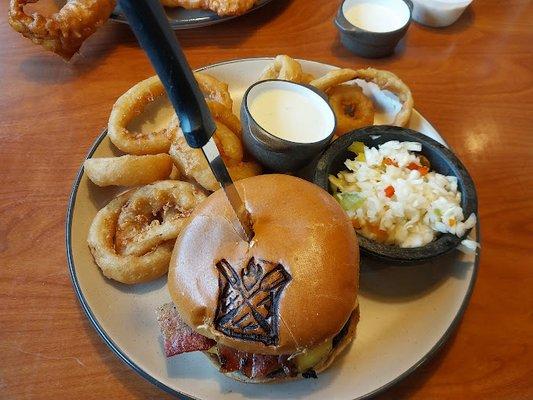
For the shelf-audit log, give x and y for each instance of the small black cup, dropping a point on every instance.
(367, 43)
(275, 153)
(442, 160)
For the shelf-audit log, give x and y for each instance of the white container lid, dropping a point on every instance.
(438, 13)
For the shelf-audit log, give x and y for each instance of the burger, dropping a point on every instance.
(282, 306)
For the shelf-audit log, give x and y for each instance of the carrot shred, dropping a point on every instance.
(414, 166)
(388, 161)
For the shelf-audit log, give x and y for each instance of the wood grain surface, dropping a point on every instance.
(473, 81)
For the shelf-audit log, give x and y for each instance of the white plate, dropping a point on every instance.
(180, 18)
(406, 312)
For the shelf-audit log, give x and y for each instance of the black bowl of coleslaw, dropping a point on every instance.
(440, 160)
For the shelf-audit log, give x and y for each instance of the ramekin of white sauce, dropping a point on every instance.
(438, 13)
(285, 124)
(373, 28)
(377, 15)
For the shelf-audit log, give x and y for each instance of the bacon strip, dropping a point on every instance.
(178, 337)
(254, 366)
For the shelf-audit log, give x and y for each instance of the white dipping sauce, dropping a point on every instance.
(290, 112)
(376, 15)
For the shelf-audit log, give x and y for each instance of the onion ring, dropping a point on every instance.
(221, 7)
(128, 170)
(143, 245)
(65, 31)
(229, 144)
(386, 80)
(244, 169)
(213, 89)
(353, 110)
(154, 214)
(192, 163)
(134, 101)
(307, 78)
(129, 105)
(225, 115)
(126, 269)
(286, 68)
(333, 78)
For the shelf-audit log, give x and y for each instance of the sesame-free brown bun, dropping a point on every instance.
(300, 272)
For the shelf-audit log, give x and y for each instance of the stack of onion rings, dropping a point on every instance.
(192, 163)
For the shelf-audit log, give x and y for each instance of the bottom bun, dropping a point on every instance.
(321, 366)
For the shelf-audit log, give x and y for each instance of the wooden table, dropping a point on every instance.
(473, 81)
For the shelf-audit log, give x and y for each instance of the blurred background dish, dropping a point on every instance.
(180, 18)
(373, 28)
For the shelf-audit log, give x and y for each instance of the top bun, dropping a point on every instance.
(293, 287)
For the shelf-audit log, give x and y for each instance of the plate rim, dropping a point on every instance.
(128, 361)
(210, 18)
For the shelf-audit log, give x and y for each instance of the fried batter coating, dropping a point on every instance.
(353, 110)
(126, 108)
(333, 78)
(131, 239)
(221, 7)
(213, 89)
(225, 115)
(128, 170)
(244, 169)
(286, 68)
(386, 80)
(134, 101)
(65, 31)
(192, 163)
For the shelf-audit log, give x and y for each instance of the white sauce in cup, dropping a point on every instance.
(291, 112)
(376, 15)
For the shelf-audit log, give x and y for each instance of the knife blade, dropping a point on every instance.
(244, 228)
(150, 25)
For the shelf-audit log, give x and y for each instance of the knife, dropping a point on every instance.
(150, 25)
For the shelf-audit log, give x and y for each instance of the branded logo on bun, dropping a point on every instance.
(248, 304)
(280, 307)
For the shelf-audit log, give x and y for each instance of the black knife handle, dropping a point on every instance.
(150, 25)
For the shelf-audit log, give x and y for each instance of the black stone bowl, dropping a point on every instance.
(442, 161)
(278, 154)
(367, 43)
